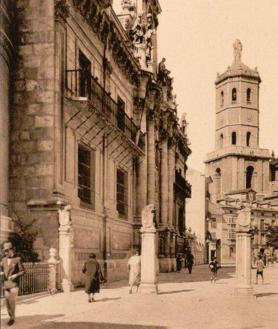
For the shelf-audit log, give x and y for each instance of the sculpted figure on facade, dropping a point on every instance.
(148, 217)
(163, 73)
(237, 50)
(183, 123)
(138, 32)
(64, 218)
(149, 42)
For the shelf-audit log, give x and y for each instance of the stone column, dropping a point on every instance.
(148, 252)
(65, 248)
(141, 197)
(243, 253)
(150, 161)
(5, 54)
(164, 182)
(171, 179)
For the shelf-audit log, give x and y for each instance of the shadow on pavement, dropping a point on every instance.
(35, 322)
(174, 292)
(106, 299)
(200, 273)
(30, 322)
(265, 294)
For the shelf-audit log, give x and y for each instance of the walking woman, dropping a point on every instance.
(134, 269)
(93, 274)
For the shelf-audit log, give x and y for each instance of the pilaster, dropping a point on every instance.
(164, 182)
(150, 159)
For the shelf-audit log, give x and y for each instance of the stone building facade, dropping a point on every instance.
(241, 173)
(94, 134)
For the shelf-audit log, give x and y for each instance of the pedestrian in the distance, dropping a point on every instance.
(12, 269)
(260, 269)
(179, 262)
(134, 269)
(93, 274)
(190, 262)
(214, 267)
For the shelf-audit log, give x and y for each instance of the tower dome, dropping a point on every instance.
(238, 68)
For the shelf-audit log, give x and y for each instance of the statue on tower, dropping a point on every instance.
(237, 50)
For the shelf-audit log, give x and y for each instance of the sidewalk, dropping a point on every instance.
(183, 301)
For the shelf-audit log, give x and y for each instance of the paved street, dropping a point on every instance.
(183, 301)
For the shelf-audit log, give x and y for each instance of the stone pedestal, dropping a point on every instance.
(243, 254)
(52, 280)
(65, 247)
(148, 252)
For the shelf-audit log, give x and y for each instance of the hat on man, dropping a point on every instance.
(7, 246)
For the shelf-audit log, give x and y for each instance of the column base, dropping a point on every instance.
(243, 290)
(165, 265)
(148, 288)
(67, 286)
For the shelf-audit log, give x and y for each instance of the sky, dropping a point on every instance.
(196, 37)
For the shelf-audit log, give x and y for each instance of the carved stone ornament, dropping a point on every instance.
(64, 216)
(244, 218)
(237, 50)
(62, 9)
(148, 217)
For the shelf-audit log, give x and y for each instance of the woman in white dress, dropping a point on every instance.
(134, 268)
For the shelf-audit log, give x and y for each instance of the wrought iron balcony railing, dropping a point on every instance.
(182, 185)
(80, 84)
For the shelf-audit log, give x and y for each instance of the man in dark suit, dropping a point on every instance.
(12, 269)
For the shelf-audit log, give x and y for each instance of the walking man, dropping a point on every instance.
(260, 269)
(214, 267)
(134, 268)
(12, 269)
(190, 262)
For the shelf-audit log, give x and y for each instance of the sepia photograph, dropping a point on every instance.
(139, 164)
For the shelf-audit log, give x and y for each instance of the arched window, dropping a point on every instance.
(248, 138)
(233, 138)
(222, 98)
(249, 176)
(234, 95)
(221, 140)
(248, 95)
(218, 181)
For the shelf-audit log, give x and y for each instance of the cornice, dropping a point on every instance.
(100, 17)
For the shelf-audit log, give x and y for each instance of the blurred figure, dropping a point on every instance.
(93, 274)
(12, 269)
(134, 268)
(214, 267)
(190, 262)
(179, 262)
(260, 269)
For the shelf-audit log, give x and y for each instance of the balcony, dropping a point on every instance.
(80, 85)
(181, 185)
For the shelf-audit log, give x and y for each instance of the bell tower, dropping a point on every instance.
(237, 104)
(237, 162)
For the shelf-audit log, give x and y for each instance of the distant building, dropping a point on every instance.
(92, 130)
(240, 171)
(196, 215)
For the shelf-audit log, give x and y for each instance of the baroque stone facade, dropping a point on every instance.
(94, 135)
(241, 173)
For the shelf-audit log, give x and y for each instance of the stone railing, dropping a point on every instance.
(238, 150)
